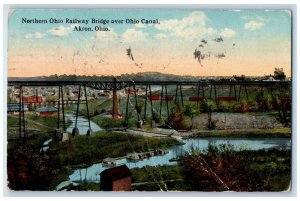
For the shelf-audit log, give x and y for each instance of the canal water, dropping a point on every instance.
(82, 125)
(91, 174)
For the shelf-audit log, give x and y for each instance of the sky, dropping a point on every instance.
(184, 42)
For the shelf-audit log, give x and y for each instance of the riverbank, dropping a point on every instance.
(231, 133)
(261, 170)
(248, 133)
(84, 151)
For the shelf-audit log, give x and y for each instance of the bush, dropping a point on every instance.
(208, 106)
(243, 106)
(30, 170)
(264, 102)
(223, 106)
(176, 118)
(220, 168)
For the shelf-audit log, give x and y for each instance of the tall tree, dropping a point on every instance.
(279, 74)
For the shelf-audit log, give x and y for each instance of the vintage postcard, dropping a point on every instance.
(149, 100)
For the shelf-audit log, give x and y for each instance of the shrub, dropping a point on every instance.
(243, 106)
(223, 106)
(220, 168)
(264, 102)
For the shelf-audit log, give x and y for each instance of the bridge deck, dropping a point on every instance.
(110, 85)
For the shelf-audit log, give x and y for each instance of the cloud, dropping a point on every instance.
(132, 35)
(29, 35)
(106, 35)
(160, 36)
(227, 33)
(189, 28)
(256, 18)
(253, 25)
(36, 35)
(140, 25)
(61, 30)
(39, 35)
(263, 19)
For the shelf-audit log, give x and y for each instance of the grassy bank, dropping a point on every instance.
(246, 171)
(222, 168)
(264, 133)
(264, 170)
(83, 150)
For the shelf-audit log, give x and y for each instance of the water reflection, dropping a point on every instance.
(91, 174)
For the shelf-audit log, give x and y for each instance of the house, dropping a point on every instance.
(46, 111)
(116, 179)
(232, 79)
(270, 79)
(33, 99)
(13, 108)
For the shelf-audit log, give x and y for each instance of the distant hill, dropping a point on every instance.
(145, 76)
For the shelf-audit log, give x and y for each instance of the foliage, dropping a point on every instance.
(155, 116)
(279, 74)
(87, 150)
(243, 106)
(284, 104)
(209, 106)
(177, 119)
(108, 122)
(223, 106)
(222, 168)
(28, 169)
(156, 178)
(258, 133)
(191, 111)
(264, 102)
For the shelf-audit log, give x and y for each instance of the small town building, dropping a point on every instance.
(116, 179)
(270, 79)
(33, 99)
(13, 108)
(46, 111)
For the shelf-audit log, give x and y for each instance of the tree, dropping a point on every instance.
(279, 74)
(209, 106)
(191, 112)
(284, 104)
(264, 102)
(177, 120)
(28, 169)
(220, 168)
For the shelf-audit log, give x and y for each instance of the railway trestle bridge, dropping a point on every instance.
(212, 88)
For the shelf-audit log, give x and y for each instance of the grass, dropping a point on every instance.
(34, 140)
(148, 179)
(263, 170)
(264, 133)
(43, 130)
(156, 173)
(84, 151)
(108, 122)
